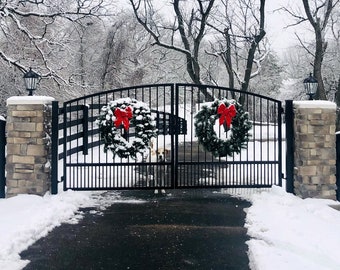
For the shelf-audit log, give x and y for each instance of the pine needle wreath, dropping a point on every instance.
(231, 114)
(120, 114)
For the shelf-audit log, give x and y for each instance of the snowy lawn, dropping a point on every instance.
(286, 232)
(26, 218)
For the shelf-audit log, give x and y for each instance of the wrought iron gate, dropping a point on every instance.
(187, 165)
(2, 158)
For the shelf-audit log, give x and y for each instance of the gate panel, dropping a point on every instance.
(86, 166)
(259, 165)
(187, 164)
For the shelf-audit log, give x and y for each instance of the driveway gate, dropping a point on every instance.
(85, 166)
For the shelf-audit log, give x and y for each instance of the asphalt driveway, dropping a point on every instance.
(189, 229)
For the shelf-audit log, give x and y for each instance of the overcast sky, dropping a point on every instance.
(280, 37)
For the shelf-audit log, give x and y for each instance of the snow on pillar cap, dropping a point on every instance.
(318, 104)
(29, 100)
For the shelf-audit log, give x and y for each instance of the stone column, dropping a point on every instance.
(315, 152)
(28, 145)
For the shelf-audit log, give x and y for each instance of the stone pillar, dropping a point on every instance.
(28, 145)
(315, 152)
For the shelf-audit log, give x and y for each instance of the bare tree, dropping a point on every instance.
(334, 65)
(240, 28)
(269, 80)
(28, 27)
(317, 14)
(184, 34)
(129, 58)
(40, 34)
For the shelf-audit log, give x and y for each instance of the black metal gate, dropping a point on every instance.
(2, 158)
(85, 166)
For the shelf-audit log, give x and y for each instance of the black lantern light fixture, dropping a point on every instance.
(311, 85)
(31, 79)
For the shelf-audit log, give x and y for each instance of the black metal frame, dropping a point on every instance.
(337, 174)
(2, 158)
(87, 167)
(290, 148)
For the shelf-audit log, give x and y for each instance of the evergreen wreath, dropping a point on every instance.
(231, 114)
(121, 113)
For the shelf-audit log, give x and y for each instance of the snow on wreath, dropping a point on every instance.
(237, 126)
(123, 113)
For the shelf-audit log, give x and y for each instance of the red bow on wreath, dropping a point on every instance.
(123, 117)
(226, 114)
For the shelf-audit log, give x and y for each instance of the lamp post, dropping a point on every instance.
(31, 79)
(311, 85)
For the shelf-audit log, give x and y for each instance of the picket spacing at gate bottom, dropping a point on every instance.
(85, 166)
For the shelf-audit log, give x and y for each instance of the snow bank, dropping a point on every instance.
(288, 232)
(26, 218)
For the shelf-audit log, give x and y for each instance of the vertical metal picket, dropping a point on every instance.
(280, 111)
(2, 158)
(338, 166)
(289, 117)
(54, 150)
(85, 123)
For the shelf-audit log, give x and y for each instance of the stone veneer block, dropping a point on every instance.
(315, 154)
(28, 150)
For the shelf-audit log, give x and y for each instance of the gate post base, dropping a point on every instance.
(28, 145)
(315, 152)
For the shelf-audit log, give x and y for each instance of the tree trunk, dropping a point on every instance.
(319, 24)
(251, 53)
(249, 66)
(228, 62)
(320, 49)
(337, 100)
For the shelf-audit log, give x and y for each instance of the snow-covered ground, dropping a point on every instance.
(26, 218)
(286, 232)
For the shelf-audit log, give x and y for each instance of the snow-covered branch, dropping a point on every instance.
(29, 26)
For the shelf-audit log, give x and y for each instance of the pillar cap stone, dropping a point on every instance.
(18, 100)
(317, 104)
